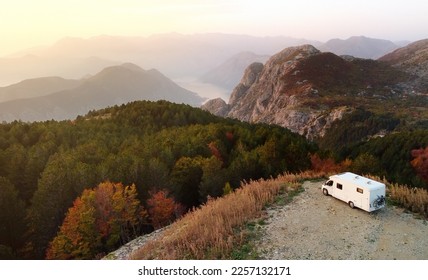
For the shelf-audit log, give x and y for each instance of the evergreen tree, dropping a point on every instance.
(12, 219)
(186, 177)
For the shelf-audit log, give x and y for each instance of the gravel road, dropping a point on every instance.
(318, 227)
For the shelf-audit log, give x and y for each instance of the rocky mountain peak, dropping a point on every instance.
(293, 54)
(251, 74)
(305, 90)
(216, 106)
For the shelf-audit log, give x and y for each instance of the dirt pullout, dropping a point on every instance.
(314, 226)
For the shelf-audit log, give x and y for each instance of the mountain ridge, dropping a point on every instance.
(111, 86)
(359, 46)
(36, 87)
(75, 57)
(167, 52)
(306, 90)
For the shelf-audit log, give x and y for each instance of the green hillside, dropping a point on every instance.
(186, 152)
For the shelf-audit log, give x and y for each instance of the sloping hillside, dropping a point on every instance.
(189, 156)
(307, 226)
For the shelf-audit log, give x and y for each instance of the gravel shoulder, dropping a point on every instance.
(318, 227)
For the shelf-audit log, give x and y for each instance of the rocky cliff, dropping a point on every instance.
(305, 90)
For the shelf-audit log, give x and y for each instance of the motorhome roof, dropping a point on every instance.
(358, 179)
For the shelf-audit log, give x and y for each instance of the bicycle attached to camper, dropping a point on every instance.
(379, 201)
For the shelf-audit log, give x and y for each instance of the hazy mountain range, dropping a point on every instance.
(73, 83)
(229, 73)
(174, 55)
(113, 85)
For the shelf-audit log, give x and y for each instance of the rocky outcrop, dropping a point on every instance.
(251, 74)
(262, 95)
(217, 106)
(306, 90)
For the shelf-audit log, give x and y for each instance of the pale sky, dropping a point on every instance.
(30, 23)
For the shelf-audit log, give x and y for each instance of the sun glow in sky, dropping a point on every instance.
(29, 23)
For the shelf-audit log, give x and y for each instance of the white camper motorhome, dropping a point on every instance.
(356, 190)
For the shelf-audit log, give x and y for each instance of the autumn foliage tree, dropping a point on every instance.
(78, 237)
(328, 165)
(420, 162)
(99, 221)
(161, 209)
(118, 213)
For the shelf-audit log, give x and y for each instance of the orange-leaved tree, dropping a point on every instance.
(420, 162)
(328, 165)
(78, 237)
(99, 221)
(161, 209)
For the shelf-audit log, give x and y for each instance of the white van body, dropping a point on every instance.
(356, 190)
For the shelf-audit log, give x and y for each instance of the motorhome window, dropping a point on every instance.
(339, 186)
(329, 183)
(360, 190)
